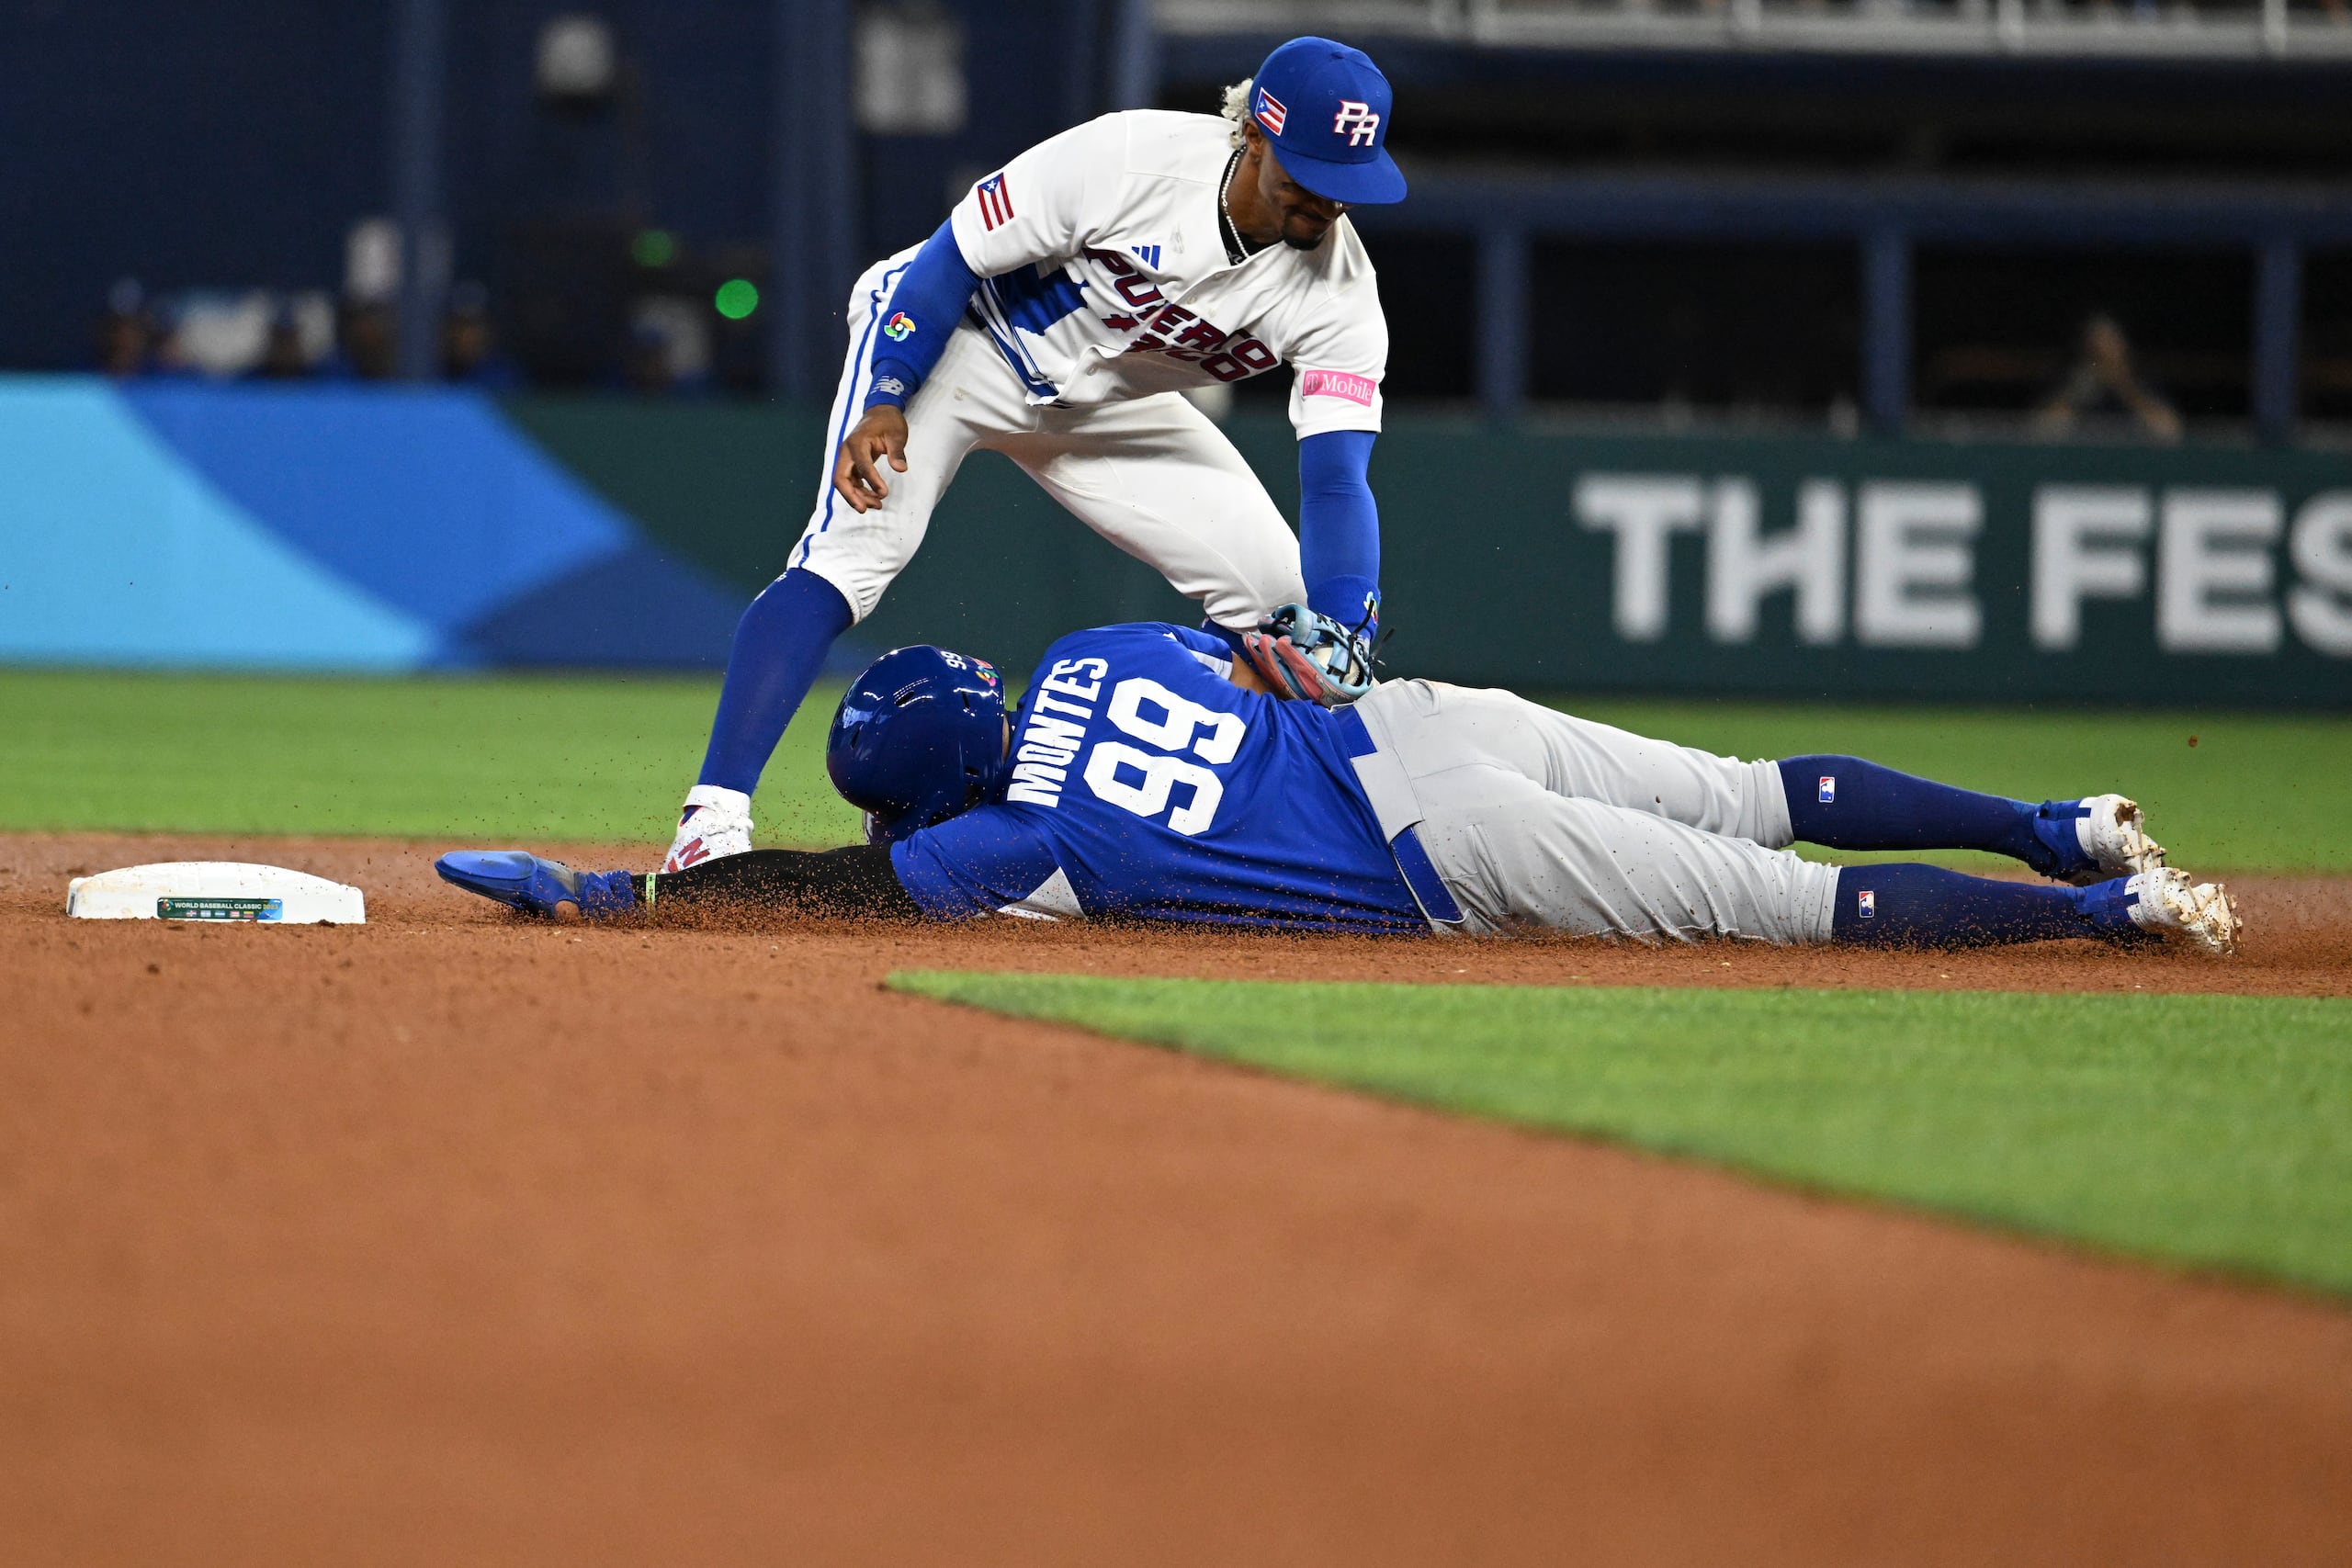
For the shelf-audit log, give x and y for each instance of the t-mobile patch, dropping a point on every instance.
(1868, 902)
(1829, 788)
(1337, 384)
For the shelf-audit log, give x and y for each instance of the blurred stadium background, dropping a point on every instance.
(1993, 349)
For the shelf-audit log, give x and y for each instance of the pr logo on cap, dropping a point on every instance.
(1356, 121)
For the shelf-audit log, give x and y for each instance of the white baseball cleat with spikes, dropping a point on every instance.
(716, 822)
(2115, 835)
(2202, 915)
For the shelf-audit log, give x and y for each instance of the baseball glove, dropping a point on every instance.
(1302, 654)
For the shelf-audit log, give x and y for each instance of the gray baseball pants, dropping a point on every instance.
(1533, 818)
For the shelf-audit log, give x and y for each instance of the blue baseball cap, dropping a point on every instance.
(1325, 107)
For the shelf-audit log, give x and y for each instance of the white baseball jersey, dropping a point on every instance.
(1105, 277)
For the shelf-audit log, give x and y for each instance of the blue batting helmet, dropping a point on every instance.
(919, 736)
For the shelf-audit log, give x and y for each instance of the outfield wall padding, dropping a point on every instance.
(1570, 561)
(180, 523)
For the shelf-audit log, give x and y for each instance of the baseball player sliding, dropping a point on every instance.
(1055, 317)
(1147, 774)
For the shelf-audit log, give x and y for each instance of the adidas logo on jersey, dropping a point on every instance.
(1147, 254)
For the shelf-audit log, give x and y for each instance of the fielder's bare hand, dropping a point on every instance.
(857, 467)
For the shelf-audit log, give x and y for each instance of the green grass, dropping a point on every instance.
(2203, 1130)
(549, 758)
(530, 759)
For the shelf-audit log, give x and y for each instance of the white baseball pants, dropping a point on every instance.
(1154, 475)
(1536, 818)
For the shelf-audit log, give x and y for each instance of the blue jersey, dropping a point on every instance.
(1146, 784)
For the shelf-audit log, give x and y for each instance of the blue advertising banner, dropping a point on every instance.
(393, 529)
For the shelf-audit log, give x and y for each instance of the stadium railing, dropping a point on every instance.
(2056, 29)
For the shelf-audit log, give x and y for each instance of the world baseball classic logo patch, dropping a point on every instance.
(899, 327)
(1270, 113)
(996, 200)
(1829, 788)
(1867, 902)
(1337, 384)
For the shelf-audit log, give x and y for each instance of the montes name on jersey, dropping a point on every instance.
(1057, 728)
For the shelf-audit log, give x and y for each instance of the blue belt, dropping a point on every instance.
(1412, 861)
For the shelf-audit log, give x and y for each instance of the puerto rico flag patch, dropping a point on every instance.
(996, 202)
(1270, 113)
(1829, 788)
(1867, 902)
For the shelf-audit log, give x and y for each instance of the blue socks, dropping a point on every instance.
(1925, 906)
(1845, 803)
(780, 645)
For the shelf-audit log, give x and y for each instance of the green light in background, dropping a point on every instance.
(654, 247)
(737, 298)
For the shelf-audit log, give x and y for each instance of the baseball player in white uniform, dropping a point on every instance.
(1056, 317)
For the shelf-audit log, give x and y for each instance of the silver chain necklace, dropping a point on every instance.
(1236, 249)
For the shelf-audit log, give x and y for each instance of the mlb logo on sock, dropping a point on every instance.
(1868, 900)
(1829, 788)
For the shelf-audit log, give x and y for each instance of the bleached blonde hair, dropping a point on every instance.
(1236, 108)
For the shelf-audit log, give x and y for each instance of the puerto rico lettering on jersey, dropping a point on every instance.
(1176, 332)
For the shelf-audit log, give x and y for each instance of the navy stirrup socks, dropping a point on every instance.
(1845, 803)
(1925, 906)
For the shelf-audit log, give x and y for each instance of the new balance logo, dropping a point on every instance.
(1270, 113)
(996, 202)
(1356, 122)
(1147, 254)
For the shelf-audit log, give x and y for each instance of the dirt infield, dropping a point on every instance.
(457, 1239)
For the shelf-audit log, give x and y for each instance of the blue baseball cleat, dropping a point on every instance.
(538, 886)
